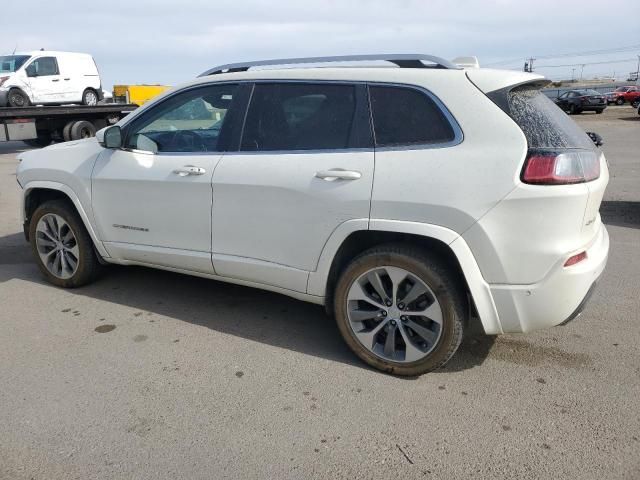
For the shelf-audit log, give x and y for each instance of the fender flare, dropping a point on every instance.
(68, 191)
(478, 287)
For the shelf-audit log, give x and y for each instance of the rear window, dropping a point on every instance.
(544, 124)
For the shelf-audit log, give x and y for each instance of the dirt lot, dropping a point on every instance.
(148, 375)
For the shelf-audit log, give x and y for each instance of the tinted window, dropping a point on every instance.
(405, 116)
(42, 67)
(291, 116)
(191, 121)
(543, 123)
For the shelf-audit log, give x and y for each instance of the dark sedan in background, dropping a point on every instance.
(577, 101)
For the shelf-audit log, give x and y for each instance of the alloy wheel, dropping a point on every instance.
(57, 246)
(394, 314)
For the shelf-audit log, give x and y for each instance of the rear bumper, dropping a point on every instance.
(599, 106)
(558, 298)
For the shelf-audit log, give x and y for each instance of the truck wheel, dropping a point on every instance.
(90, 97)
(66, 131)
(62, 247)
(82, 129)
(18, 98)
(619, 101)
(400, 310)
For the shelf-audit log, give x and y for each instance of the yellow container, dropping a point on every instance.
(138, 94)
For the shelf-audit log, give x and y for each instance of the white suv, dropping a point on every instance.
(405, 199)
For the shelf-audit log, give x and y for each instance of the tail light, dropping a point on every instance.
(561, 168)
(575, 259)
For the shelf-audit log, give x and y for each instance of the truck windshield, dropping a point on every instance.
(11, 63)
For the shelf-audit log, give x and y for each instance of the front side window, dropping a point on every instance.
(291, 116)
(406, 116)
(191, 121)
(42, 67)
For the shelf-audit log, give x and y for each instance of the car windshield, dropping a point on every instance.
(11, 63)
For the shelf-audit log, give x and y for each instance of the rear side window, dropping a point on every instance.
(291, 116)
(544, 124)
(405, 116)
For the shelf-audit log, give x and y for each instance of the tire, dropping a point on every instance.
(600, 111)
(442, 292)
(43, 140)
(573, 110)
(90, 97)
(87, 265)
(66, 131)
(82, 129)
(18, 99)
(619, 101)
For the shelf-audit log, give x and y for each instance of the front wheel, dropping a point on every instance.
(399, 310)
(573, 110)
(620, 101)
(62, 246)
(18, 99)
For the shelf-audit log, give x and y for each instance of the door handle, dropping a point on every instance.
(67, 79)
(189, 170)
(55, 80)
(338, 174)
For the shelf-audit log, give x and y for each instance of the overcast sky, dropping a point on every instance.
(156, 41)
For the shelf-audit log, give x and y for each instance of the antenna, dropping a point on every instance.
(14, 49)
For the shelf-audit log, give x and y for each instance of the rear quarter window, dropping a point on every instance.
(406, 116)
(543, 123)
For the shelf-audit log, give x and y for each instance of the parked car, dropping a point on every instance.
(408, 201)
(578, 101)
(49, 78)
(623, 94)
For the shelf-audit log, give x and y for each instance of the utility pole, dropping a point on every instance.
(573, 71)
(638, 69)
(531, 64)
(581, 70)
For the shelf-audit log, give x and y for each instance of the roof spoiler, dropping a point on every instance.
(466, 62)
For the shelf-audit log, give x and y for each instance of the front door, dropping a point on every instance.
(152, 199)
(44, 81)
(304, 167)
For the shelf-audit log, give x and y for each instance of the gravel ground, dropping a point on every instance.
(150, 375)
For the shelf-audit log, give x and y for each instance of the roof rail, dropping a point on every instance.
(401, 60)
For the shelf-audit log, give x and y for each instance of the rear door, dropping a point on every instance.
(304, 166)
(44, 80)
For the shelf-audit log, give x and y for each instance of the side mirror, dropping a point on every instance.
(31, 71)
(110, 137)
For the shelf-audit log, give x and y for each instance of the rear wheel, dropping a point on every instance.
(619, 101)
(18, 98)
(61, 245)
(82, 129)
(66, 131)
(399, 310)
(89, 97)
